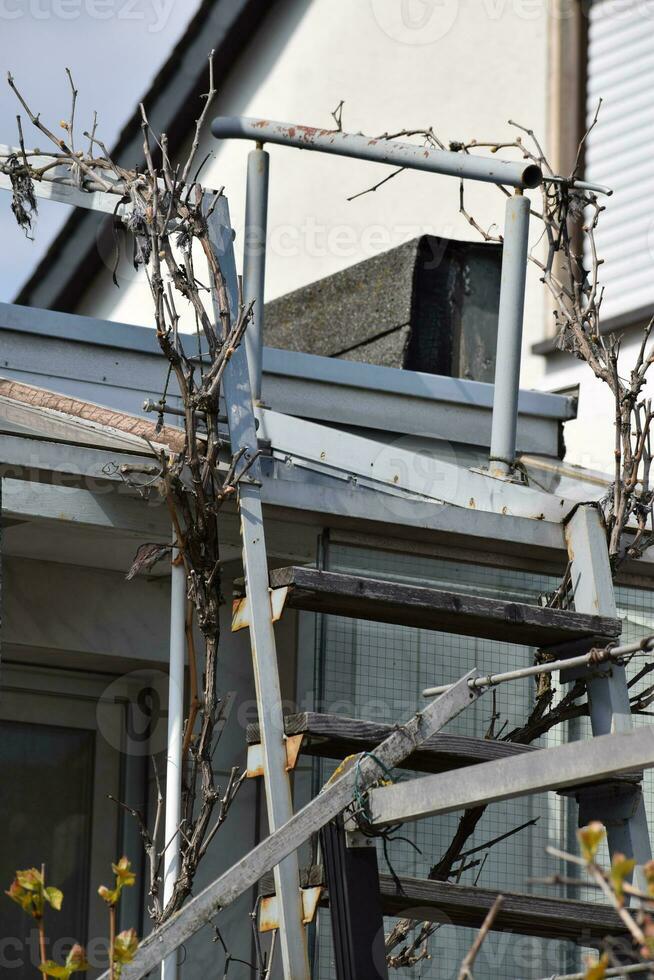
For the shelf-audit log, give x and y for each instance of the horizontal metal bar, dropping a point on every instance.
(610, 655)
(398, 468)
(617, 971)
(568, 765)
(65, 193)
(580, 185)
(393, 152)
(397, 381)
(58, 183)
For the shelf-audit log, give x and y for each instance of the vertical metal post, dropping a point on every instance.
(254, 260)
(174, 750)
(279, 803)
(355, 906)
(621, 808)
(509, 335)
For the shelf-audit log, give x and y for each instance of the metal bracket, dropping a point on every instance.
(241, 608)
(255, 756)
(269, 911)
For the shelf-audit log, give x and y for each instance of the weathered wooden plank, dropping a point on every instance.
(335, 737)
(573, 764)
(333, 799)
(584, 923)
(436, 609)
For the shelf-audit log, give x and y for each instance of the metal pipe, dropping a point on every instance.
(393, 152)
(509, 335)
(610, 655)
(616, 971)
(174, 750)
(254, 261)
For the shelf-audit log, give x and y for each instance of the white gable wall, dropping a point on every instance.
(463, 66)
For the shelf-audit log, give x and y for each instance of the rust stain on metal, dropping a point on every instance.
(269, 909)
(310, 900)
(293, 749)
(471, 503)
(241, 608)
(240, 614)
(254, 765)
(268, 914)
(277, 602)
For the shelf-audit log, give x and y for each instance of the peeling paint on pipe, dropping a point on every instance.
(393, 152)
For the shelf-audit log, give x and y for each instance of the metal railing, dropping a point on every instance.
(519, 175)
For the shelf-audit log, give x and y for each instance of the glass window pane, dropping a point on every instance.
(45, 814)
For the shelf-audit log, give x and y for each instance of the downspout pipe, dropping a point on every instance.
(394, 152)
(173, 813)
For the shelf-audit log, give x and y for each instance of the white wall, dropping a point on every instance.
(463, 66)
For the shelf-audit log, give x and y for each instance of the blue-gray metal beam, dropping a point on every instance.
(393, 152)
(564, 766)
(509, 335)
(243, 435)
(335, 796)
(254, 260)
(608, 693)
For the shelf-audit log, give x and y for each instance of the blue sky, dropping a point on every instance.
(113, 48)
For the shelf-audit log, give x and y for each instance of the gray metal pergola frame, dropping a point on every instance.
(339, 455)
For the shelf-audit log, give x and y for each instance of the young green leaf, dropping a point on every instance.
(597, 971)
(125, 877)
(75, 963)
(590, 838)
(125, 946)
(621, 868)
(27, 891)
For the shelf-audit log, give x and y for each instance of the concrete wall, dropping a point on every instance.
(463, 66)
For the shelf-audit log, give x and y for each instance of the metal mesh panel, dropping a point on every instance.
(376, 671)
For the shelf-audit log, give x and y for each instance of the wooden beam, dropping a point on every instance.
(335, 737)
(584, 923)
(573, 764)
(413, 605)
(328, 736)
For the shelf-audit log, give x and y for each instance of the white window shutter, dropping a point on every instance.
(620, 151)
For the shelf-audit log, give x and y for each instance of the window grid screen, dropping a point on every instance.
(376, 671)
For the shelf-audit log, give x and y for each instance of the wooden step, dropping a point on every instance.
(584, 923)
(329, 736)
(437, 609)
(335, 737)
